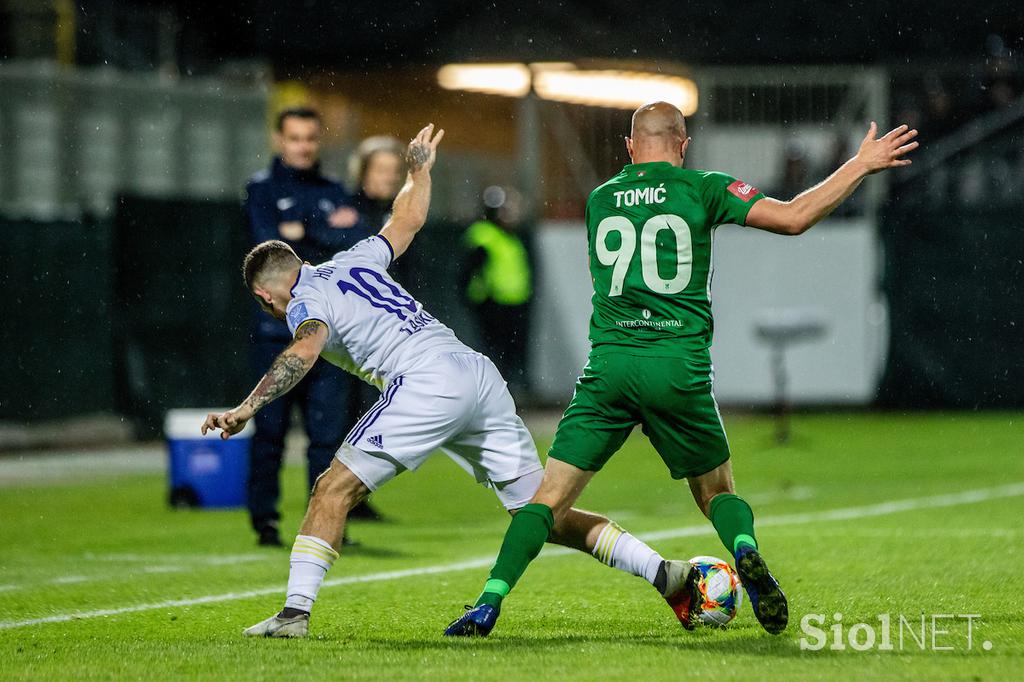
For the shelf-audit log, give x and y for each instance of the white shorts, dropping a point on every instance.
(458, 403)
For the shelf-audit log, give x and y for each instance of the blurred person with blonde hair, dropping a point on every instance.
(376, 170)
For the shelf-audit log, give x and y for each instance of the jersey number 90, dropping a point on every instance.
(620, 259)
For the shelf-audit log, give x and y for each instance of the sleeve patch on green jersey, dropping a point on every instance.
(742, 190)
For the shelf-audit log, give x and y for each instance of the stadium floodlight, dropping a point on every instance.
(566, 82)
(617, 89)
(512, 80)
(552, 66)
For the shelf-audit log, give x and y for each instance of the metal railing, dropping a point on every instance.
(746, 120)
(970, 136)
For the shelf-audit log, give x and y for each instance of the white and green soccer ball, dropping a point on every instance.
(720, 590)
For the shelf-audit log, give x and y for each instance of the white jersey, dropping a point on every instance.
(377, 331)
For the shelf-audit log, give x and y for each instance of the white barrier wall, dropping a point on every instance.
(834, 270)
(561, 310)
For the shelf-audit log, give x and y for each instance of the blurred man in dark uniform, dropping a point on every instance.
(498, 282)
(294, 202)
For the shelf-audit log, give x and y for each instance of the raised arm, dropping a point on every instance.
(409, 211)
(807, 208)
(287, 370)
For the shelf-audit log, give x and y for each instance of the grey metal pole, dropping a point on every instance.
(781, 400)
(529, 161)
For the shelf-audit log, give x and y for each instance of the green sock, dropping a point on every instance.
(494, 592)
(733, 519)
(524, 539)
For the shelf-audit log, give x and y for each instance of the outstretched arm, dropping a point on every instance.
(287, 370)
(409, 211)
(807, 208)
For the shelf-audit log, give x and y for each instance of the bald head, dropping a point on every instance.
(658, 119)
(658, 133)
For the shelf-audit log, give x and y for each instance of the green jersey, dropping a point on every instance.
(650, 230)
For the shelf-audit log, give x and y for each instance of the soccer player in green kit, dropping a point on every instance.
(650, 230)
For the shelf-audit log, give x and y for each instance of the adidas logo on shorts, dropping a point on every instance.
(376, 441)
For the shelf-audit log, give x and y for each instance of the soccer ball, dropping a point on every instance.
(720, 590)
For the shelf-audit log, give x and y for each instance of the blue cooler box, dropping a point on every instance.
(205, 471)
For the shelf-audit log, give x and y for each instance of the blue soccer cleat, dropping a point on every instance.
(766, 597)
(475, 622)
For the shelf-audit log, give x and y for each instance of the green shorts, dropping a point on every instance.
(670, 397)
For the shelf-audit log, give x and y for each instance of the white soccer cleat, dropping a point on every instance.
(275, 626)
(676, 573)
(682, 591)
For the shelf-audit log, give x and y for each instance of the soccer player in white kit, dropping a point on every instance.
(437, 393)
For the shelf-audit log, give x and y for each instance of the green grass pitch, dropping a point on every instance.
(860, 515)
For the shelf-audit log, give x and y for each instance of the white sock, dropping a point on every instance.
(311, 558)
(618, 549)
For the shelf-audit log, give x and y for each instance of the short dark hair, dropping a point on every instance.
(268, 256)
(296, 112)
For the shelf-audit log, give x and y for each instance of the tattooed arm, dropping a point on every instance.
(287, 370)
(410, 207)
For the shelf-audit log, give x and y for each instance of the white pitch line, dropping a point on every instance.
(795, 493)
(192, 562)
(70, 580)
(233, 596)
(840, 514)
(762, 499)
(865, 511)
(217, 560)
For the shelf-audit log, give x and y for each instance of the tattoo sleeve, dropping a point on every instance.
(286, 370)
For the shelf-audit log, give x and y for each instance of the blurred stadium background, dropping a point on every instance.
(128, 129)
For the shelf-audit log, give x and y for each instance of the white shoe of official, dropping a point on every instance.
(275, 626)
